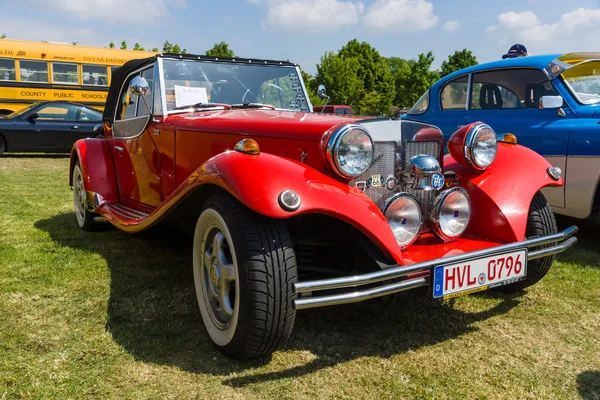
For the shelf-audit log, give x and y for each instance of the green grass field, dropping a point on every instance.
(113, 315)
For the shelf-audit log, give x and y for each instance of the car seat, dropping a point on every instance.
(490, 97)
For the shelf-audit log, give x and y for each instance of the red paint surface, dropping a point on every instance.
(96, 167)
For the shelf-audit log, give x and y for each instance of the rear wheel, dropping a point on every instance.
(85, 218)
(244, 271)
(2, 145)
(540, 222)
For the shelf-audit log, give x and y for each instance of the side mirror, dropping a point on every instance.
(551, 102)
(99, 129)
(138, 86)
(322, 92)
(32, 117)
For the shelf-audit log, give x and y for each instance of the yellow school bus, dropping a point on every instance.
(38, 71)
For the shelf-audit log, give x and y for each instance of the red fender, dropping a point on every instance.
(96, 167)
(501, 195)
(257, 181)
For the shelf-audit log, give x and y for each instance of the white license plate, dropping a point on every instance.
(480, 274)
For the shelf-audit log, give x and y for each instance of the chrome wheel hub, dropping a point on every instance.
(218, 277)
(79, 197)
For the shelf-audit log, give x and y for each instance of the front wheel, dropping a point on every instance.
(540, 222)
(244, 271)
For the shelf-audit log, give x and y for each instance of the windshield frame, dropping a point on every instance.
(570, 87)
(163, 94)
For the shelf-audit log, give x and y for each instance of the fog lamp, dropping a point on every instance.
(289, 200)
(451, 213)
(403, 213)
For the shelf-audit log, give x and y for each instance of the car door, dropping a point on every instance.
(50, 127)
(508, 101)
(88, 120)
(137, 161)
(453, 97)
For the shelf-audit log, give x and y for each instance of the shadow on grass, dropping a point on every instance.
(587, 249)
(36, 155)
(588, 385)
(153, 314)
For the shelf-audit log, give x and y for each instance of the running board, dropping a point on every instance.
(121, 215)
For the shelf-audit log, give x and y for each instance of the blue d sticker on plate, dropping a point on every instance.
(437, 181)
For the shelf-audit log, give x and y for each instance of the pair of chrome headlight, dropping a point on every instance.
(449, 216)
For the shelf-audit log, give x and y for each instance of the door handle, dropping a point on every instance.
(119, 149)
(75, 127)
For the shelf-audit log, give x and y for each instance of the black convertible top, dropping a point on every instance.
(120, 74)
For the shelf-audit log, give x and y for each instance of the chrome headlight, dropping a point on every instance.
(404, 216)
(451, 213)
(481, 146)
(350, 151)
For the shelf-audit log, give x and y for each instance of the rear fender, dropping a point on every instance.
(257, 181)
(501, 195)
(96, 167)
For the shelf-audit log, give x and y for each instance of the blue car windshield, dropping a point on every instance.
(584, 81)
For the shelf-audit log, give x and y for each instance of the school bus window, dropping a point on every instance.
(94, 75)
(64, 73)
(8, 72)
(34, 71)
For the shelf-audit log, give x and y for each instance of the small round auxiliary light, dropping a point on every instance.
(509, 138)
(248, 146)
(554, 173)
(289, 200)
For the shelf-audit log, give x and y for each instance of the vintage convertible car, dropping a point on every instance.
(292, 209)
(556, 101)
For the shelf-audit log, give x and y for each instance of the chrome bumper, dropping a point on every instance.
(306, 290)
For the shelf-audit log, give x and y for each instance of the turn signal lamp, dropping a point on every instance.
(509, 138)
(247, 146)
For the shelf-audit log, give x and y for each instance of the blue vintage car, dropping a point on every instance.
(550, 102)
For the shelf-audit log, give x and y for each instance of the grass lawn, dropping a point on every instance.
(114, 315)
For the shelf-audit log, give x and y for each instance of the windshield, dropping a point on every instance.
(584, 81)
(189, 82)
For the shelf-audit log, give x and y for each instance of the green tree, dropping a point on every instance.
(3, 36)
(411, 78)
(74, 43)
(167, 47)
(155, 49)
(460, 59)
(311, 87)
(220, 50)
(123, 45)
(358, 76)
(137, 47)
(111, 45)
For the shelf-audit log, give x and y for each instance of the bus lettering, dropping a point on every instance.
(93, 96)
(27, 93)
(6, 52)
(64, 95)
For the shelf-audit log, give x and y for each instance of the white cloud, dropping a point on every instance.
(451, 26)
(400, 16)
(311, 15)
(133, 11)
(518, 20)
(491, 28)
(575, 30)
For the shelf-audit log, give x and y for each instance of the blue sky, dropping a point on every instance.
(303, 30)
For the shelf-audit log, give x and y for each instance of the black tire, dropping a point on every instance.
(263, 257)
(84, 217)
(540, 222)
(2, 145)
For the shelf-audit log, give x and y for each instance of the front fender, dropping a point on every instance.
(501, 195)
(96, 167)
(257, 180)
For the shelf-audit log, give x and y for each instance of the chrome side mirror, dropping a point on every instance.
(551, 102)
(138, 86)
(322, 92)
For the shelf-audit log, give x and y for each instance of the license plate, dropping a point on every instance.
(472, 276)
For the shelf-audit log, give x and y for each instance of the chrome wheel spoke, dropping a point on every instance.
(207, 258)
(228, 272)
(225, 302)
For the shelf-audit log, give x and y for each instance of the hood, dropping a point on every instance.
(264, 123)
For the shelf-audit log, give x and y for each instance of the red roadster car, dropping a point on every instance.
(292, 209)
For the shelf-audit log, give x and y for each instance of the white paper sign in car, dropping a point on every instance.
(187, 96)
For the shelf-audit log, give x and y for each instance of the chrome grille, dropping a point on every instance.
(384, 164)
(416, 148)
